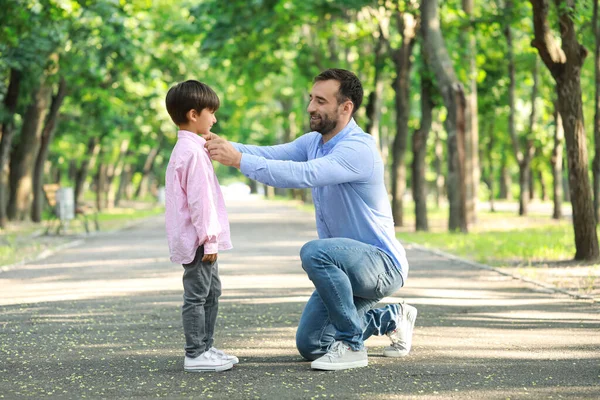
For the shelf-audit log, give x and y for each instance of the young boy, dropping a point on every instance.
(196, 222)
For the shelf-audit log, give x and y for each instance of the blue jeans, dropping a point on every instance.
(350, 277)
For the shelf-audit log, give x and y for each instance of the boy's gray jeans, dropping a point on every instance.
(201, 291)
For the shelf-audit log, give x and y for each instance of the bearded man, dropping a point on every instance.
(357, 260)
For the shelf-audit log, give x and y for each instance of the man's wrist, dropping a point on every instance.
(238, 161)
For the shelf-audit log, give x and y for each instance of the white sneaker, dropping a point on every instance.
(341, 356)
(206, 362)
(402, 337)
(220, 353)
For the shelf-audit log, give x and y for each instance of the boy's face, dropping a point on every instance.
(202, 122)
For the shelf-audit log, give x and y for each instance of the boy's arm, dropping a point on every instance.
(292, 151)
(200, 198)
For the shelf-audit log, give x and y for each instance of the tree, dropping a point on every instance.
(564, 63)
(419, 147)
(596, 163)
(472, 168)
(454, 100)
(407, 27)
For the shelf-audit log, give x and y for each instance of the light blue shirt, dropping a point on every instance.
(346, 175)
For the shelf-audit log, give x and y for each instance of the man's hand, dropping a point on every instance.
(222, 151)
(210, 136)
(211, 258)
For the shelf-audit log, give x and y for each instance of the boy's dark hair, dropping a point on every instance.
(189, 95)
(350, 86)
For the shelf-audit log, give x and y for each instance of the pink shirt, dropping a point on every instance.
(195, 210)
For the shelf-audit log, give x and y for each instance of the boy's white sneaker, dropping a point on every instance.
(401, 337)
(220, 353)
(206, 362)
(341, 356)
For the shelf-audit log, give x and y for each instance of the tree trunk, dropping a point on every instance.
(472, 167)
(557, 162)
(375, 102)
(505, 179)
(543, 187)
(23, 155)
(564, 63)
(7, 125)
(114, 170)
(93, 148)
(419, 145)
(100, 185)
(440, 183)
(142, 188)
(402, 59)
(46, 139)
(596, 163)
(490, 160)
(454, 100)
(531, 184)
(124, 180)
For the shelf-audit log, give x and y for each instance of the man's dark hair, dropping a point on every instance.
(190, 95)
(350, 86)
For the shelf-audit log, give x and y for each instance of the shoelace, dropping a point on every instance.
(337, 350)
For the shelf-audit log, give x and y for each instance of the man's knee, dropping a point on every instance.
(310, 252)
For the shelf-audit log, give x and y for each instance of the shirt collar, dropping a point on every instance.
(341, 134)
(191, 135)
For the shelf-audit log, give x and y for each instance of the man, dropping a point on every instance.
(357, 260)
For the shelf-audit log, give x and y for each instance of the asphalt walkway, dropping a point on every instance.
(102, 320)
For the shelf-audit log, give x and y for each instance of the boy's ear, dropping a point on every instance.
(192, 115)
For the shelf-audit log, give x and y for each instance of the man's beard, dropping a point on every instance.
(324, 124)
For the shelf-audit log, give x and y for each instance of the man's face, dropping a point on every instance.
(323, 107)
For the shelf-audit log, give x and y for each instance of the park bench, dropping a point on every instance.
(83, 213)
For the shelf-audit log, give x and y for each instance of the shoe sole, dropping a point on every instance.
(337, 367)
(394, 353)
(209, 369)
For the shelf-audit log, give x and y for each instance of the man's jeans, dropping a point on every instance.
(350, 277)
(201, 291)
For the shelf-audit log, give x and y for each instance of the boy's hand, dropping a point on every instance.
(222, 151)
(211, 258)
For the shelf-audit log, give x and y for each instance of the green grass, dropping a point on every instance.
(497, 239)
(521, 246)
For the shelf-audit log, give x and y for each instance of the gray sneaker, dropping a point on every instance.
(341, 356)
(402, 337)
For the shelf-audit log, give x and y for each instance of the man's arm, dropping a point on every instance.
(293, 151)
(352, 162)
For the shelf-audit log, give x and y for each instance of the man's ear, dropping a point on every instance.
(348, 107)
(192, 115)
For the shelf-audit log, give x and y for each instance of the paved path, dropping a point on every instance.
(102, 320)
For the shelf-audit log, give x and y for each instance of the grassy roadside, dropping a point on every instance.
(535, 246)
(21, 242)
